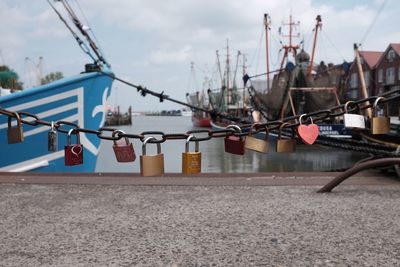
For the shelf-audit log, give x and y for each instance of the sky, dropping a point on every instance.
(152, 43)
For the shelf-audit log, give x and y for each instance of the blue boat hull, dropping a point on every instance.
(81, 99)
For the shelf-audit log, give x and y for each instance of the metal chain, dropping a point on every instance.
(204, 135)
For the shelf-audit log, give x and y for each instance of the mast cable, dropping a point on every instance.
(81, 44)
(373, 21)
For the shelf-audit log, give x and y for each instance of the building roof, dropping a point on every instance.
(372, 57)
(396, 47)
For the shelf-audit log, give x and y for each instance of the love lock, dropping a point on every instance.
(123, 149)
(256, 144)
(308, 133)
(234, 144)
(73, 153)
(353, 121)
(380, 124)
(285, 145)
(15, 134)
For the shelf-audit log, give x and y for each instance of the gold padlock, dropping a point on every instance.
(191, 161)
(256, 144)
(380, 124)
(151, 165)
(15, 134)
(285, 145)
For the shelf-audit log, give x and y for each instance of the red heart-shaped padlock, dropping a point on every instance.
(308, 133)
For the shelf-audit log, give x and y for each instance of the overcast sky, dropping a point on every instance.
(153, 42)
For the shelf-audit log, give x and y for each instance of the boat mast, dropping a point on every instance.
(219, 69)
(236, 69)
(290, 48)
(229, 96)
(266, 24)
(363, 89)
(244, 85)
(318, 25)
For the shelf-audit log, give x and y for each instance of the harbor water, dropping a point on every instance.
(214, 158)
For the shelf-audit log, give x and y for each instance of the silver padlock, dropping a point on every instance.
(52, 140)
(353, 121)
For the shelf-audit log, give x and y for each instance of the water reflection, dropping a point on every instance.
(214, 159)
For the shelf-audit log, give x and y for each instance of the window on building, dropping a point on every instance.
(354, 94)
(354, 80)
(391, 55)
(390, 75)
(366, 78)
(380, 75)
(398, 74)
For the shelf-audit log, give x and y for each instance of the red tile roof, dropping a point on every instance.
(372, 57)
(396, 48)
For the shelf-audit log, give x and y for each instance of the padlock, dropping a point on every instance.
(73, 154)
(191, 161)
(151, 165)
(256, 144)
(234, 144)
(285, 145)
(123, 149)
(308, 133)
(353, 121)
(380, 124)
(52, 139)
(15, 134)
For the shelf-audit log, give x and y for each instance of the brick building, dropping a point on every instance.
(369, 60)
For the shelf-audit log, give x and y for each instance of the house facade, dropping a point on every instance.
(387, 74)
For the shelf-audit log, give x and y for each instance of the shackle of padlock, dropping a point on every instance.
(254, 126)
(236, 128)
(17, 117)
(346, 105)
(117, 132)
(283, 125)
(302, 115)
(145, 142)
(375, 106)
(70, 132)
(196, 149)
(52, 127)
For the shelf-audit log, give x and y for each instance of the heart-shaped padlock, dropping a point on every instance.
(308, 133)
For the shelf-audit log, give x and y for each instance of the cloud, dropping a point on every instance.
(171, 56)
(155, 41)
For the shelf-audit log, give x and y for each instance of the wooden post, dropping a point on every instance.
(363, 89)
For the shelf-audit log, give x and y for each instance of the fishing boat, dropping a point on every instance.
(299, 85)
(81, 99)
(231, 99)
(198, 100)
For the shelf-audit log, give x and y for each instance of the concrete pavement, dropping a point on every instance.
(208, 225)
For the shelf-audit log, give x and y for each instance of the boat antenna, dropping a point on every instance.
(318, 25)
(81, 44)
(84, 32)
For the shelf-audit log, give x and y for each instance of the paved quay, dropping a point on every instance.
(210, 220)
